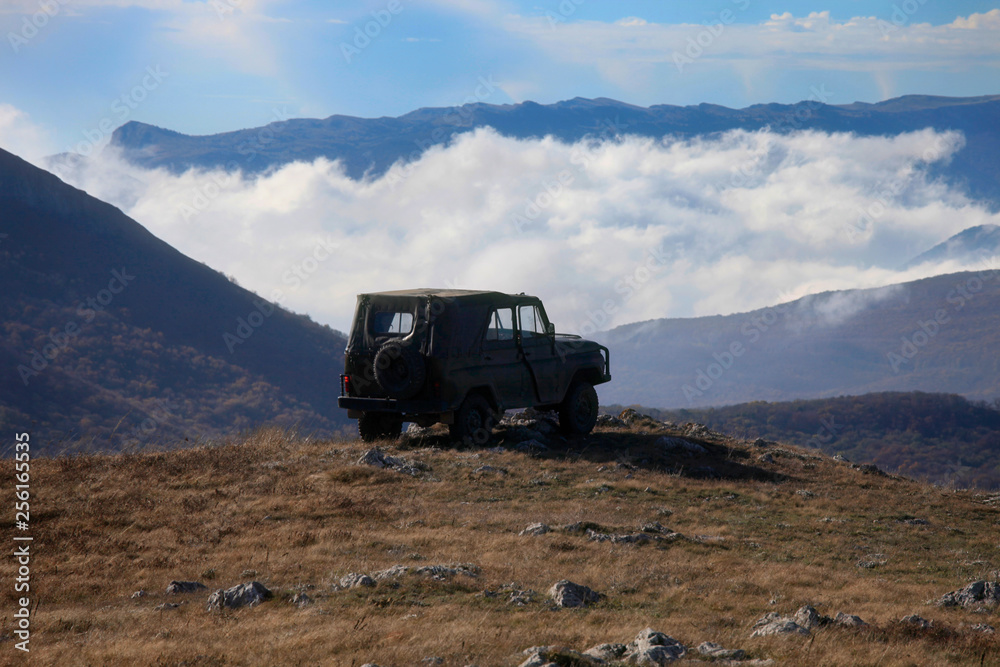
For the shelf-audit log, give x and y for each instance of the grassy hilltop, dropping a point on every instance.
(762, 528)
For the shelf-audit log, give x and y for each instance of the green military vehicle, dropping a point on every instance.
(462, 358)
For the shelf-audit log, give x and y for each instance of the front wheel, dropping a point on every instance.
(578, 411)
(379, 426)
(474, 421)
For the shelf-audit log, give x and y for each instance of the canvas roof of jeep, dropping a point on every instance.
(465, 323)
(443, 293)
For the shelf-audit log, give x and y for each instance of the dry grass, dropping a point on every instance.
(302, 513)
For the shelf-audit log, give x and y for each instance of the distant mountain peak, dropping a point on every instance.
(969, 245)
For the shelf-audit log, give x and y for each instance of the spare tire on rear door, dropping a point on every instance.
(399, 369)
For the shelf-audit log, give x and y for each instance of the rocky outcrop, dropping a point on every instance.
(848, 620)
(653, 648)
(607, 652)
(776, 624)
(542, 656)
(567, 594)
(802, 622)
(244, 595)
(355, 580)
(177, 587)
(976, 594)
(535, 529)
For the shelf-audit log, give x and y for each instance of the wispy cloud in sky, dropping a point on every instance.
(816, 41)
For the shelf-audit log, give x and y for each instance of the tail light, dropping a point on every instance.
(345, 385)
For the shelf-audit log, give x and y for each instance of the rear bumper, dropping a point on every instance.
(407, 407)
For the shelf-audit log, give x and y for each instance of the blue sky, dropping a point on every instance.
(228, 64)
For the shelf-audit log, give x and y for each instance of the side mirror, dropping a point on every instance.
(551, 329)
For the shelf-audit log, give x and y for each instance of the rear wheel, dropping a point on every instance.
(379, 426)
(578, 411)
(474, 421)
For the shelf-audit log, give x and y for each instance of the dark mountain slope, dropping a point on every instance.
(102, 320)
(940, 334)
(371, 145)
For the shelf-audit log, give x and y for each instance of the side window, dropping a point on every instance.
(531, 322)
(389, 322)
(501, 325)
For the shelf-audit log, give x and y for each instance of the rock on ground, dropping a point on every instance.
(607, 652)
(535, 529)
(653, 648)
(540, 656)
(776, 624)
(609, 421)
(444, 572)
(376, 457)
(717, 652)
(680, 446)
(978, 593)
(567, 594)
(918, 621)
(355, 579)
(176, 587)
(848, 620)
(243, 595)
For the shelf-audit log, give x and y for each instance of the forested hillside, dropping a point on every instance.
(111, 338)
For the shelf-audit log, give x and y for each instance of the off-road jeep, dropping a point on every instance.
(462, 358)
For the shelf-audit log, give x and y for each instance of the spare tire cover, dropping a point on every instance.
(399, 369)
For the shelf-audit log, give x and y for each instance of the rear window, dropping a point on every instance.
(397, 323)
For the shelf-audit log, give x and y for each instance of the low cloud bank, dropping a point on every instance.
(605, 232)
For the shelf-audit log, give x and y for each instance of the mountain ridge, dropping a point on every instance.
(369, 146)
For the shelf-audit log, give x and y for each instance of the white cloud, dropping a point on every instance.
(894, 42)
(19, 135)
(649, 228)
